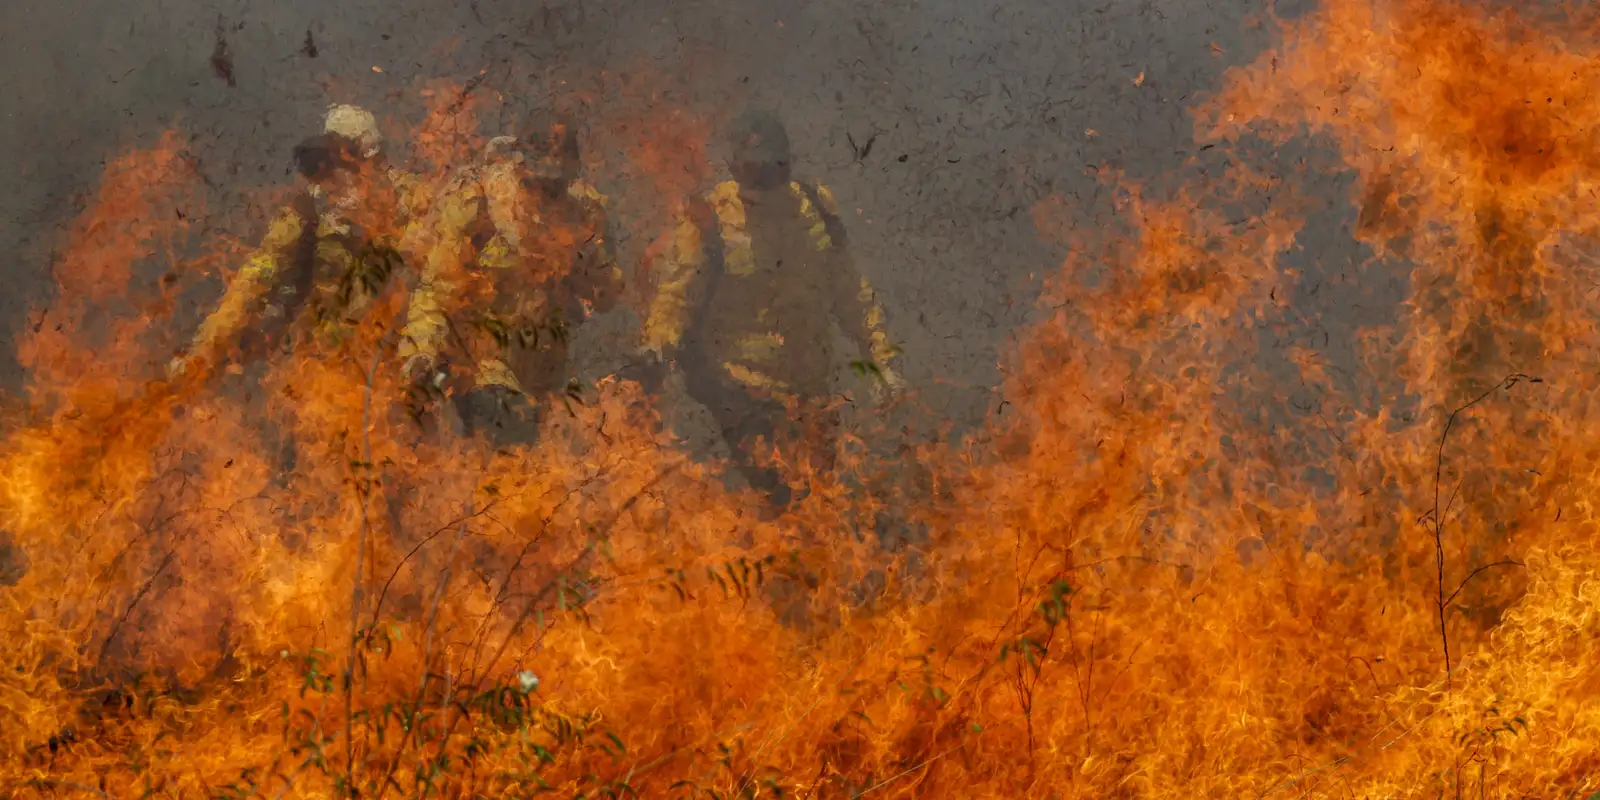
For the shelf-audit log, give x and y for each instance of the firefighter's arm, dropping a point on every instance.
(677, 286)
(245, 291)
(501, 190)
(860, 300)
(427, 322)
(412, 194)
(854, 299)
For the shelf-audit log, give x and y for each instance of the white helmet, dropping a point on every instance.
(356, 124)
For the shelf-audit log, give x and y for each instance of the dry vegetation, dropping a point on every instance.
(1129, 585)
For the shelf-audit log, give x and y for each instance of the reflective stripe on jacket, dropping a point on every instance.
(505, 284)
(732, 275)
(295, 260)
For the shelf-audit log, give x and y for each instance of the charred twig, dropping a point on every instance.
(288, 780)
(361, 552)
(861, 151)
(1438, 519)
(1377, 685)
(446, 707)
(1345, 759)
(671, 754)
(749, 775)
(481, 638)
(893, 778)
(221, 57)
(526, 612)
(427, 634)
(378, 606)
(1022, 596)
(427, 647)
(1088, 678)
(144, 530)
(466, 92)
(532, 604)
(1340, 761)
(449, 677)
(149, 583)
(1474, 574)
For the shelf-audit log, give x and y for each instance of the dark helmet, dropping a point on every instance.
(760, 149)
(321, 157)
(550, 148)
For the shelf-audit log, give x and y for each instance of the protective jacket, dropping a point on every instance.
(512, 264)
(317, 269)
(750, 286)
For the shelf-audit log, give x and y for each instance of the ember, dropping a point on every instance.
(369, 534)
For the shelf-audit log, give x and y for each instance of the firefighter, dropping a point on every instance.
(518, 257)
(325, 255)
(755, 276)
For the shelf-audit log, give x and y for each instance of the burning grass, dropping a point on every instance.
(1129, 587)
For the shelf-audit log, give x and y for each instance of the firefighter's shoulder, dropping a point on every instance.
(285, 226)
(410, 189)
(823, 195)
(724, 204)
(724, 193)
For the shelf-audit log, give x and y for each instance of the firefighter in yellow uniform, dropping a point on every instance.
(756, 275)
(325, 255)
(517, 257)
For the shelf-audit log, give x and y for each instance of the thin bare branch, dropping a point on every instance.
(1438, 515)
(1474, 574)
(893, 778)
(365, 488)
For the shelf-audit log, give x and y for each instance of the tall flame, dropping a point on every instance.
(1146, 578)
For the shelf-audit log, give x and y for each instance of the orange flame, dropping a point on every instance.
(1142, 580)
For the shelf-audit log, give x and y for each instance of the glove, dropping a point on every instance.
(424, 380)
(424, 391)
